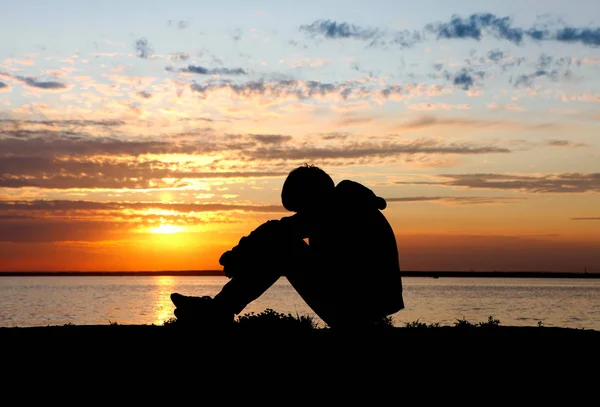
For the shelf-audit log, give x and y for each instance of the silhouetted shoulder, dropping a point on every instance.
(354, 194)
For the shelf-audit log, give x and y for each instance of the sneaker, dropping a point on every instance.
(186, 301)
(199, 311)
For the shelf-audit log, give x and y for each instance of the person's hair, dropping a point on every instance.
(305, 188)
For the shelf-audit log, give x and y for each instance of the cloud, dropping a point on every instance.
(547, 66)
(126, 178)
(58, 123)
(36, 83)
(33, 82)
(282, 89)
(334, 136)
(527, 80)
(13, 217)
(433, 121)
(334, 30)
(458, 200)
(181, 24)
(463, 80)
(179, 56)
(72, 159)
(565, 143)
(475, 26)
(495, 55)
(370, 150)
(507, 107)
(405, 38)
(598, 218)
(549, 183)
(65, 220)
(438, 106)
(68, 205)
(48, 143)
(270, 138)
(456, 251)
(215, 71)
(3, 86)
(586, 36)
(376, 36)
(93, 173)
(286, 89)
(16, 141)
(144, 94)
(395, 92)
(353, 120)
(237, 35)
(47, 158)
(143, 48)
(41, 230)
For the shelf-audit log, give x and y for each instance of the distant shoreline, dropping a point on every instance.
(196, 273)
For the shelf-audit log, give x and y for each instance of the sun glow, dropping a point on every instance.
(166, 229)
(162, 305)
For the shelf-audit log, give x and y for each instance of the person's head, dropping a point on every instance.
(306, 189)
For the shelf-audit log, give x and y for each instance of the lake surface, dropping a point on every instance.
(41, 301)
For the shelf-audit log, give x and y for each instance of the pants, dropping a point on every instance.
(333, 294)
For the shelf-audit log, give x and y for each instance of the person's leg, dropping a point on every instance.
(254, 274)
(221, 309)
(317, 292)
(241, 290)
(260, 272)
(335, 295)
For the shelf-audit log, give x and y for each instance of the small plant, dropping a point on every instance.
(463, 323)
(491, 322)
(270, 318)
(112, 323)
(417, 324)
(540, 323)
(385, 322)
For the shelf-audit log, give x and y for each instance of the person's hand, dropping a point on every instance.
(226, 260)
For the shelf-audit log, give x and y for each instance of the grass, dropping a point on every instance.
(270, 318)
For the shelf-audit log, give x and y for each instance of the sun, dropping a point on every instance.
(166, 229)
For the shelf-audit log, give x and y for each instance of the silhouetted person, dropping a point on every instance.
(348, 273)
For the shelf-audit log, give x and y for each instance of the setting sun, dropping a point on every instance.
(166, 229)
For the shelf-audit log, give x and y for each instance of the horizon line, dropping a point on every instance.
(210, 272)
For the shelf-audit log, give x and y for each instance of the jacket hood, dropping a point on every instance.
(358, 195)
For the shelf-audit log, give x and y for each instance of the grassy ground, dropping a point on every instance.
(284, 353)
(270, 323)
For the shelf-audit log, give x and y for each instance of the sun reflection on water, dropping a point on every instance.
(163, 307)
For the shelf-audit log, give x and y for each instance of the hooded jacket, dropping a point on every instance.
(350, 242)
(357, 244)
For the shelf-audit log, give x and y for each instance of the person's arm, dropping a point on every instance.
(267, 236)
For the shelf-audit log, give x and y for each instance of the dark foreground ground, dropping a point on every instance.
(154, 333)
(453, 363)
(246, 340)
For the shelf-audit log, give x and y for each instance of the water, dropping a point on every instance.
(41, 301)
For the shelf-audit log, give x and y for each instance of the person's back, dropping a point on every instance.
(356, 248)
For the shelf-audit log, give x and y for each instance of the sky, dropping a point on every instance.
(153, 135)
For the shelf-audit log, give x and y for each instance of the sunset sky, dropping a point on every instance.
(152, 135)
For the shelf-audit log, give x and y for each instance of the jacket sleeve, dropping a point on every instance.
(267, 237)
